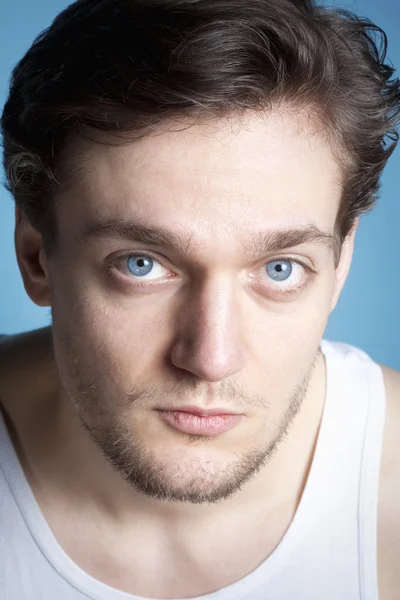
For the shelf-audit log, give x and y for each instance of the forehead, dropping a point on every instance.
(213, 178)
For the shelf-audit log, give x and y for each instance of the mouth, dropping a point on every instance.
(214, 422)
(200, 411)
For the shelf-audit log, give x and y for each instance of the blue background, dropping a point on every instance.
(367, 315)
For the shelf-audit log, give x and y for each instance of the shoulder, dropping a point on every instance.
(390, 462)
(22, 347)
(27, 368)
(389, 490)
(391, 446)
(391, 378)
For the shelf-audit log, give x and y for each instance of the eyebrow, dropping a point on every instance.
(271, 240)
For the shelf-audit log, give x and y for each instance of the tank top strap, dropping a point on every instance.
(357, 384)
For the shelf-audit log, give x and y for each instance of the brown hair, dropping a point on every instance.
(128, 65)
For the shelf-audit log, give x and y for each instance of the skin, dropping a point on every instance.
(215, 331)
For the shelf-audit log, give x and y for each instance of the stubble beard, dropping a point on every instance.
(190, 479)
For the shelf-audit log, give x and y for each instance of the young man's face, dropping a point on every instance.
(215, 322)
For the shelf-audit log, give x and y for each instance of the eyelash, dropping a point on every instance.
(282, 292)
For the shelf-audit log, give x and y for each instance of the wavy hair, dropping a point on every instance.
(125, 66)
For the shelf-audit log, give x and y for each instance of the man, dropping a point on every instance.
(189, 177)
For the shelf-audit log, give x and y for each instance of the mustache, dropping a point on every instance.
(229, 393)
(184, 389)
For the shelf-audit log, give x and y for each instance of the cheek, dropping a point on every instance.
(287, 340)
(292, 327)
(123, 340)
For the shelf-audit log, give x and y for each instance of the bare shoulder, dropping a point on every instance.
(26, 366)
(392, 382)
(390, 463)
(391, 446)
(389, 491)
(19, 344)
(18, 353)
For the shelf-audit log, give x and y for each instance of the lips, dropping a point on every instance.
(200, 411)
(195, 424)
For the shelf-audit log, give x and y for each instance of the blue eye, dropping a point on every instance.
(279, 270)
(140, 265)
(285, 272)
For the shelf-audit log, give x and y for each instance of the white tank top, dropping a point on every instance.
(329, 551)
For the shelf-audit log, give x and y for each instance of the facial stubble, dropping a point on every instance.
(190, 479)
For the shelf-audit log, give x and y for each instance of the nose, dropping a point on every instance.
(208, 343)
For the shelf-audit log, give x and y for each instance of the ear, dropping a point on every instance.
(343, 268)
(32, 260)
